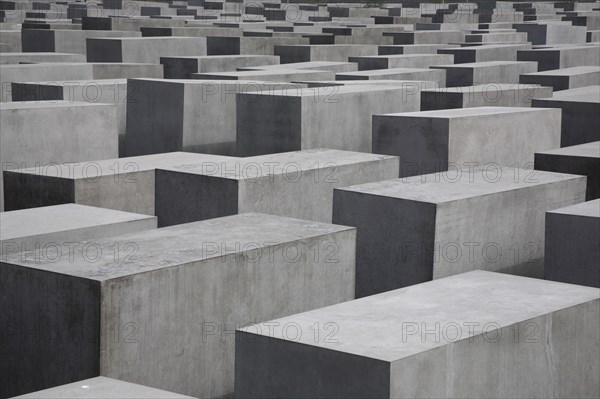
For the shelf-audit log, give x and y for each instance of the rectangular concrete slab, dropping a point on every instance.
(176, 294)
(181, 67)
(566, 78)
(572, 254)
(29, 229)
(441, 339)
(433, 75)
(143, 49)
(435, 141)
(489, 72)
(419, 228)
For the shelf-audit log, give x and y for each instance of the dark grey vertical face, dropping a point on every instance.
(179, 68)
(271, 368)
(185, 197)
(50, 329)
(268, 124)
(23, 190)
(38, 40)
(292, 54)
(394, 240)
(36, 92)
(104, 50)
(444, 99)
(154, 118)
(572, 254)
(584, 166)
(218, 45)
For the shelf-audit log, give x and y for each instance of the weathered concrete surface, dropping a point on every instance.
(29, 229)
(143, 49)
(564, 79)
(582, 159)
(281, 121)
(427, 37)
(562, 57)
(434, 141)
(572, 251)
(551, 33)
(334, 66)
(366, 63)
(487, 52)
(436, 226)
(176, 294)
(181, 67)
(295, 184)
(65, 40)
(477, 73)
(493, 94)
(48, 132)
(441, 339)
(125, 184)
(433, 75)
(103, 388)
(273, 75)
(17, 58)
(580, 118)
(326, 52)
(188, 115)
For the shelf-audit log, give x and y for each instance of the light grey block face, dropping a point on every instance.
(477, 73)
(435, 141)
(572, 253)
(296, 184)
(142, 49)
(433, 75)
(125, 184)
(103, 388)
(181, 67)
(280, 121)
(395, 344)
(486, 52)
(327, 52)
(561, 57)
(566, 78)
(401, 61)
(413, 229)
(29, 229)
(488, 95)
(66, 40)
(169, 294)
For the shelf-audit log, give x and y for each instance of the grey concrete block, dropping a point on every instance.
(188, 115)
(562, 57)
(17, 58)
(582, 159)
(566, 78)
(30, 229)
(272, 75)
(280, 120)
(334, 66)
(326, 52)
(143, 49)
(427, 37)
(125, 184)
(434, 141)
(295, 184)
(411, 49)
(551, 33)
(39, 134)
(493, 94)
(487, 52)
(103, 388)
(65, 40)
(478, 334)
(477, 73)
(433, 75)
(366, 63)
(176, 294)
(572, 252)
(181, 67)
(419, 228)
(580, 119)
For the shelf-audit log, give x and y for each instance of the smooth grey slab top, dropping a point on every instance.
(486, 88)
(589, 209)
(468, 112)
(57, 218)
(299, 65)
(588, 94)
(390, 71)
(172, 246)
(378, 326)
(484, 64)
(76, 82)
(457, 184)
(282, 70)
(276, 164)
(18, 105)
(339, 91)
(587, 150)
(103, 388)
(573, 71)
(128, 165)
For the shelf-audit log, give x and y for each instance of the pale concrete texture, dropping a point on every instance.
(580, 118)
(65, 40)
(419, 228)
(103, 388)
(176, 294)
(125, 184)
(30, 229)
(566, 78)
(493, 94)
(284, 120)
(433, 75)
(487, 52)
(17, 58)
(295, 184)
(582, 159)
(367, 63)
(475, 335)
(572, 251)
(143, 49)
(274, 75)
(433, 141)
(477, 73)
(551, 33)
(562, 57)
(37, 134)
(325, 52)
(334, 66)
(181, 67)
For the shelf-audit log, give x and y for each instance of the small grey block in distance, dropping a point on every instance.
(440, 339)
(566, 78)
(102, 388)
(414, 229)
(572, 251)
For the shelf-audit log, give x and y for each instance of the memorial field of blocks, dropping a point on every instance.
(299, 199)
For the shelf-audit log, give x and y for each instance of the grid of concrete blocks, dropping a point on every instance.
(299, 199)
